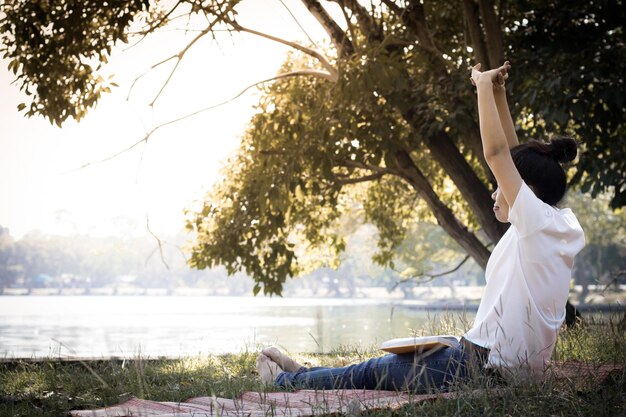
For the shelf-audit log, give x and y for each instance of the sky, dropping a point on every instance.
(42, 184)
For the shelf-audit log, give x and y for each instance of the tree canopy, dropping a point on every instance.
(383, 118)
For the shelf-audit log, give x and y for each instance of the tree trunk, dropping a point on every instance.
(470, 11)
(471, 187)
(337, 35)
(495, 46)
(446, 219)
(363, 17)
(473, 190)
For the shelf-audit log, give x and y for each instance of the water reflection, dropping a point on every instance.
(96, 326)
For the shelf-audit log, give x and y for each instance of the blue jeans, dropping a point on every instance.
(415, 372)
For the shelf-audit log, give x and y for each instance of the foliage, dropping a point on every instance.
(387, 100)
(57, 49)
(571, 61)
(389, 107)
(602, 260)
(282, 183)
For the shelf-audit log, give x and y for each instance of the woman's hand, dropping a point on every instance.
(496, 76)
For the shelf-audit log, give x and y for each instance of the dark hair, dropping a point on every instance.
(539, 166)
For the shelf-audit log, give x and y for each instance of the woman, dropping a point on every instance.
(527, 275)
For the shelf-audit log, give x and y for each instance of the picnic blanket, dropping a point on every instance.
(582, 376)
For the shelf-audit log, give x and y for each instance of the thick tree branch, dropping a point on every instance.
(430, 277)
(472, 188)
(495, 46)
(415, 19)
(397, 10)
(473, 140)
(363, 17)
(342, 43)
(472, 20)
(445, 217)
(445, 152)
(348, 19)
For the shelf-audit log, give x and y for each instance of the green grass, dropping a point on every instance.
(51, 388)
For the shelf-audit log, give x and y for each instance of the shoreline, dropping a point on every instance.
(462, 298)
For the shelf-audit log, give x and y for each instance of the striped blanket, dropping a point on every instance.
(582, 376)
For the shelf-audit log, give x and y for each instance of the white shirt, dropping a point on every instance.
(528, 278)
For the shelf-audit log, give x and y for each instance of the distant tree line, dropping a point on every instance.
(40, 260)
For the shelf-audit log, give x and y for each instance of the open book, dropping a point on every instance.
(417, 343)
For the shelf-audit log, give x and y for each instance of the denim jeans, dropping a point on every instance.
(432, 370)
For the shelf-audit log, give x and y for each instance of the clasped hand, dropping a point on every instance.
(496, 76)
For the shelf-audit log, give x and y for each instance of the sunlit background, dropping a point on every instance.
(42, 184)
(67, 182)
(88, 179)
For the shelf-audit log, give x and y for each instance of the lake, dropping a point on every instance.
(173, 326)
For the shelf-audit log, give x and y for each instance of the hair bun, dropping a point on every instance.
(563, 149)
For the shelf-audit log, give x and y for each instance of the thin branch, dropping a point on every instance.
(312, 52)
(615, 278)
(186, 30)
(159, 242)
(355, 164)
(132, 86)
(430, 277)
(144, 33)
(153, 66)
(147, 136)
(164, 18)
(115, 155)
(179, 56)
(140, 162)
(297, 22)
(365, 178)
(394, 7)
(348, 20)
(363, 17)
(237, 27)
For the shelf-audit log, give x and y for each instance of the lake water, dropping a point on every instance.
(104, 326)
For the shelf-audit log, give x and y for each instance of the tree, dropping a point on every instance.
(602, 260)
(8, 272)
(388, 105)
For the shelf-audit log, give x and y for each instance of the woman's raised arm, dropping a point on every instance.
(496, 138)
(499, 93)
